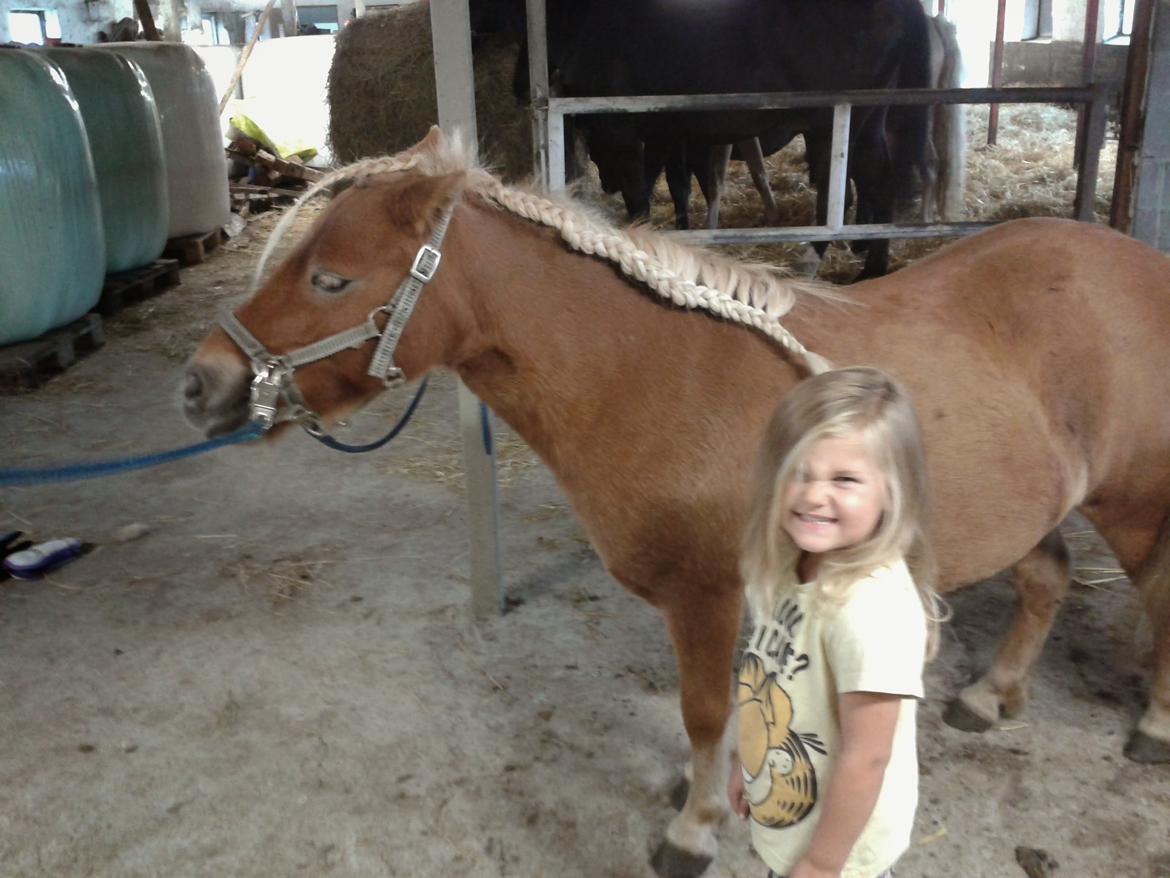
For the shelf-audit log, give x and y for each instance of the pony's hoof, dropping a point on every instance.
(959, 716)
(1142, 748)
(678, 795)
(670, 861)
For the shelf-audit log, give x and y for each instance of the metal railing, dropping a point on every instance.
(549, 139)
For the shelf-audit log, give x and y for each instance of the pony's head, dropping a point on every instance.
(339, 281)
(335, 322)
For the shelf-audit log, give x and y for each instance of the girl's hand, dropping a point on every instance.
(805, 869)
(739, 803)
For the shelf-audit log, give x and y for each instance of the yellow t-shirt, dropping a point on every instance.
(796, 664)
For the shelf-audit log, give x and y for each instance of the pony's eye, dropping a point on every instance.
(328, 282)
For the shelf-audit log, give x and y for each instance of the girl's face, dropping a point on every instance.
(836, 496)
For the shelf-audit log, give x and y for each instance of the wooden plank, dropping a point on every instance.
(455, 89)
(146, 18)
(244, 56)
(27, 365)
(129, 287)
(193, 249)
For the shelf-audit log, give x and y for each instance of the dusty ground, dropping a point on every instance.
(282, 678)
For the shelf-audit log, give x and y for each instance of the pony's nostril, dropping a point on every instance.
(193, 388)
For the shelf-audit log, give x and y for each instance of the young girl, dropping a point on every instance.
(839, 583)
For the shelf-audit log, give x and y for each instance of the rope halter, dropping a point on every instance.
(272, 379)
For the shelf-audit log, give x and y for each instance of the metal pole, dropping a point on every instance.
(838, 167)
(555, 135)
(455, 91)
(996, 72)
(288, 15)
(1088, 67)
(1087, 166)
(539, 94)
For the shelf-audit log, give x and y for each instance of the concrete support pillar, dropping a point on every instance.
(172, 16)
(288, 9)
(1151, 213)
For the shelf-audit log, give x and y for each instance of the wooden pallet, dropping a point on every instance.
(28, 364)
(193, 249)
(127, 287)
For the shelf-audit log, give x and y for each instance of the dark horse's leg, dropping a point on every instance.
(671, 156)
(710, 168)
(616, 149)
(872, 172)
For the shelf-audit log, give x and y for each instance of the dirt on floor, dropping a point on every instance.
(277, 673)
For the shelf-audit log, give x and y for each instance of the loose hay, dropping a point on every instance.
(382, 91)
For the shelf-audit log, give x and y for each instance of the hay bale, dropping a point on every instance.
(382, 91)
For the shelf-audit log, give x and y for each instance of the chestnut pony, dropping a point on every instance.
(1035, 351)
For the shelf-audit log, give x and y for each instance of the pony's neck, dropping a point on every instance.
(556, 330)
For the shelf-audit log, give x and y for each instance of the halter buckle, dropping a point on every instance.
(264, 397)
(426, 263)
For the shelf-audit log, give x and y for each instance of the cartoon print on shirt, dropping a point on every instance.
(780, 781)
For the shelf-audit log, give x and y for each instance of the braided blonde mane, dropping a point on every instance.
(755, 295)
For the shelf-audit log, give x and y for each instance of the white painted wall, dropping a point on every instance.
(975, 23)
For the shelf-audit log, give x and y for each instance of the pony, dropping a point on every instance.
(643, 373)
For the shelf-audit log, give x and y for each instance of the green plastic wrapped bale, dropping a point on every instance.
(125, 140)
(52, 250)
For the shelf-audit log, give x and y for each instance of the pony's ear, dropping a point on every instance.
(434, 141)
(418, 203)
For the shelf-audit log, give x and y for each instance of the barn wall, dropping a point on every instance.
(976, 32)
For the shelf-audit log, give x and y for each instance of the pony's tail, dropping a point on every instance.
(949, 128)
(907, 126)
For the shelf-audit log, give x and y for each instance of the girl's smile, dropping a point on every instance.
(836, 497)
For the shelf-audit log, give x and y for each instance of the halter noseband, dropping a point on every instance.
(273, 373)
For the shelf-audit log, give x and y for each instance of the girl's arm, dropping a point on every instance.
(739, 804)
(868, 720)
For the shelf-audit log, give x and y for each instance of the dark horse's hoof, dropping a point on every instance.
(1142, 748)
(960, 716)
(670, 861)
(678, 796)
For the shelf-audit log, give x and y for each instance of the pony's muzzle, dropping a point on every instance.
(215, 395)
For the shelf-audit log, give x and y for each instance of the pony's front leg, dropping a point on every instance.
(703, 627)
(1042, 580)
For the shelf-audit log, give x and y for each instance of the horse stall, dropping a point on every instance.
(265, 663)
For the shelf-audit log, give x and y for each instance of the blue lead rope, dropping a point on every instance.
(250, 431)
(337, 445)
(15, 477)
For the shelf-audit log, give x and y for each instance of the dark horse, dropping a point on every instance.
(627, 47)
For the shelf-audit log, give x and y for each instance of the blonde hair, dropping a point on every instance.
(856, 402)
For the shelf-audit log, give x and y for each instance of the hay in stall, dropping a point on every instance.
(382, 91)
